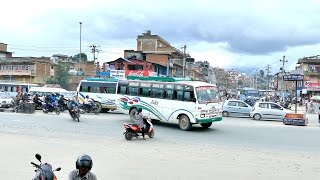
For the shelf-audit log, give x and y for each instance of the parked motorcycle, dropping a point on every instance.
(75, 113)
(50, 108)
(133, 130)
(44, 171)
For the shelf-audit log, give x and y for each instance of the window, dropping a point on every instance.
(122, 90)
(179, 95)
(188, 96)
(232, 103)
(157, 93)
(263, 105)
(275, 106)
(169, 94)
(133, 91)
(109, 90)
(145, 92)
(241, 104)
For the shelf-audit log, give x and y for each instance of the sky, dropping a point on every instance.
(243, 34)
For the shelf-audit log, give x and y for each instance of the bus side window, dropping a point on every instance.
(189, 96)
(89, 89)
(133, 91)
(179, 95)
(169, 94)
(145, 92)
(123, 90)
(157, 93)
(186, 96)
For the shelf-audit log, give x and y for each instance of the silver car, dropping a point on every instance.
(268, 110)
(236, 108)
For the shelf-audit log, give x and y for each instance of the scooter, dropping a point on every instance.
(50, 108)
(93, 107)
(44, 171)
(133, 130)
(75, 113)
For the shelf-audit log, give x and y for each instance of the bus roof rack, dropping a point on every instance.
(102, 79)
(162, 79)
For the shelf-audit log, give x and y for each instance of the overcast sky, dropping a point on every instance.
(228, 33)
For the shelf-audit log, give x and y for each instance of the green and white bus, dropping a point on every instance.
(174, 100)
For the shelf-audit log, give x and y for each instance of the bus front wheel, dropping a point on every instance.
(184, 123)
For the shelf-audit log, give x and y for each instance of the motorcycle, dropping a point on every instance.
(90, 108)
(44, 171)
(50, 108)
(62, 104)
(75, 113)
(133, 130)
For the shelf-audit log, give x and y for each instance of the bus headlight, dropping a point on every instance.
(202, 115)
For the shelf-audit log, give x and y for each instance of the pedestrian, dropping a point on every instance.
(83, 169)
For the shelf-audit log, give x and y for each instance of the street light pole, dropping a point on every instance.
(282, 81)
(80, 43)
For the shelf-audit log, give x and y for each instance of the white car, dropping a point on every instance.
(5, 100)
(268, 110)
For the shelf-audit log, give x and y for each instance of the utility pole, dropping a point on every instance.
(94, 50)
(184, 60)
(283, 60)
(268, 79)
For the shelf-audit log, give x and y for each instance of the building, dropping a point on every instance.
(310, 67)
(233, 79)
(26, 69)
(222, 81)
(4, 51)
(159, 51)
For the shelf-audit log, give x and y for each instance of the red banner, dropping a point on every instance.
(312, 85)
(137, 73)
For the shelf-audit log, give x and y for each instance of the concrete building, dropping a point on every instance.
(310, 67)
(26, 69)
(4, 51)
(159, 51)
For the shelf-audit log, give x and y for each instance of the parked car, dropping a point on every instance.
(268, 110)
(236, 108)
(6, 100)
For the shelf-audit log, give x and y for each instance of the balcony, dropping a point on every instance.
(17, 73)
(312, 72)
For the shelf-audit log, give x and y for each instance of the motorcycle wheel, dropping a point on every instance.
(128, 136)
(151, 134)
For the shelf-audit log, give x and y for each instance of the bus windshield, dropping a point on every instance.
(207, 94)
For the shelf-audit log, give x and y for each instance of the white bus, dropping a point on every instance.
(42, 91)
(16, 87)
(173, 100)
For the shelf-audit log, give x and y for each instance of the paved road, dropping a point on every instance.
(247, 148)
(233, 132)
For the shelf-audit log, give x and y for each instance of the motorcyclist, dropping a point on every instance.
(83, 169)
(37, 100)
(139, 121)
(73, 103)
(62, 101)
(88, 103)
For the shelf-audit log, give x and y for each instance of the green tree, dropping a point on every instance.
(76, 57)
(61, 75)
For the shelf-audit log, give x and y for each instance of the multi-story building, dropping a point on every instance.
(233, 78)
(310, 67)
(26, 69)
(221, 78)
(159, 51)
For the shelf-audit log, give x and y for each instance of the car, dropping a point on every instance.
(6, 100)
(268, 110)
(236, 108)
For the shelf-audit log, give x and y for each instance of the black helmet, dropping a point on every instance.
(87, 96)
(84, 161)
(139, 110)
